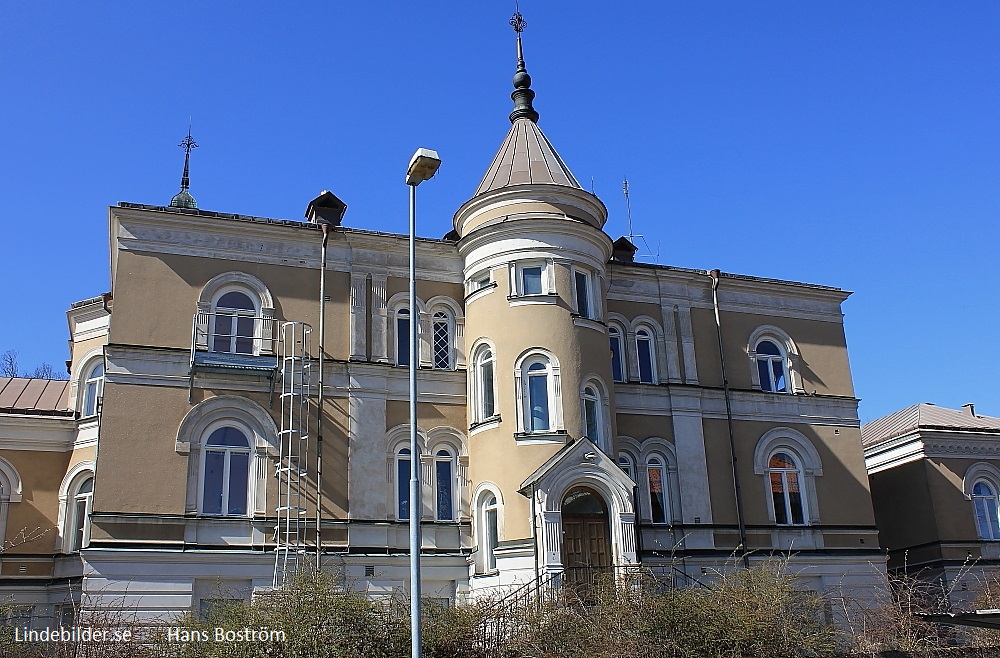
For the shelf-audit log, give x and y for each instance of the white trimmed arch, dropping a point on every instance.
(786, 439)
(67, 488)
(790, 350)
(247, 416)
(980, 471)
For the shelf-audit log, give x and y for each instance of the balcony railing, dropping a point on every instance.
(233, 342)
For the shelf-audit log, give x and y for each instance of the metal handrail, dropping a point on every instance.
(250, 335)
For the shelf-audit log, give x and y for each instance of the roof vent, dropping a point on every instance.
(624, 250)
(969, 408)
(326, 209)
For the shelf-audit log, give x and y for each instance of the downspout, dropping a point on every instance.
(740, 519)
(319, 403)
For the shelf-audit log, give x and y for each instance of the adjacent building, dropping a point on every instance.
(935, 479)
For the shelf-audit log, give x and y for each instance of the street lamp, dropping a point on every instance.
(423, 165)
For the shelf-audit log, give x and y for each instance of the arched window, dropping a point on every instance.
(617, 362)
(537, 398)
(442, 340)
(771, 367)
(403, 484)
(489, 537)
(656, 478)
(785, 479)
(226, 473)
(78, 526)
(93, 389)
(984, 500)
(233, 327)
(593, 415)
(403, 337)
(644, 347)
(444, 489)
(627, 465)
(484, 389)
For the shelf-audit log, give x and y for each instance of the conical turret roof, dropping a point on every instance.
(526, 156)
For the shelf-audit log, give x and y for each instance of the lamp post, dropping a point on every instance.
(423, 165)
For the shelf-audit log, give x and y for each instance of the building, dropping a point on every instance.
(574, 407)
(935, 479)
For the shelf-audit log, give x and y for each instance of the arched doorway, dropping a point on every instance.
(586, 546)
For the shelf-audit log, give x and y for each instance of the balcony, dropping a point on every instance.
(235, 343)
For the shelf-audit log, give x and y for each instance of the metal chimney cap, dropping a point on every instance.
(326, 209)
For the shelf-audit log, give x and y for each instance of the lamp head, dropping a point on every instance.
(423, 165)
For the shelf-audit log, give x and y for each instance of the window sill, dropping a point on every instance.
(523, 300)
(481, 292)
(490, 422)
(589, 323)
(554, 436)
(492, 573)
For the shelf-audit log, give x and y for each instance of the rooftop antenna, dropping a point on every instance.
(183, 199)
(631, 234)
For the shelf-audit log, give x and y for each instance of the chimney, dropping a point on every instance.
(970, 409)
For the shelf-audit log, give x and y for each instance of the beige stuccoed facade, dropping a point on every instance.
(571, 407)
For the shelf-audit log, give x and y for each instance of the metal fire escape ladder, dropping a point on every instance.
(293, 446)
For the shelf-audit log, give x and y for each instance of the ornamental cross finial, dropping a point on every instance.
(517, 21)
(187, 143)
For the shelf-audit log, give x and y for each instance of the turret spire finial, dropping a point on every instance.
(183, 199)
(522, 94)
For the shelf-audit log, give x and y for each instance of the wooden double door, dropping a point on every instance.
(586, 546)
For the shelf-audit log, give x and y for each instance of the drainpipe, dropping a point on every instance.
(741, 520)
(319, 403)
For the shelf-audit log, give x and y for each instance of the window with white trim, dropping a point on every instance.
(478, 281)
(627, 465)
(594, 425)
(403, 484)
(536, 396)
(984, 503)
(93, 389)
(583, 289)
(444, 485)
(483, 384)
(489, 537)
(617, 354)
(78, 523)
(785, 480)
(233, 323)
(442, 340)
(403, 336)
(657, 489)
(225, 473)
(647, 355)
(771, 370)
(532, 278)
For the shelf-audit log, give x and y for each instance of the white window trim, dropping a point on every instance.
(482, 491)
(258, 426)
(622, 352)
(428, 445)
(228, 450)
(785, 439)
(85, 379)
(603, 410)
(10, 492)
(472, 291)
(476, 393)
(70, 484)
(452, 459)
(594, 304)
(789, 350)
(396, 353)
(662, 450)
(653, 354)
(554, 386)
(258, 293)
(980, 472)
(517, 294)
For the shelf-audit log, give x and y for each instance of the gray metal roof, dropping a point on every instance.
(925, 416)
(526, 156)
(20, 395)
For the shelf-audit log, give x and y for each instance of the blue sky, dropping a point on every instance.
(853, 144)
